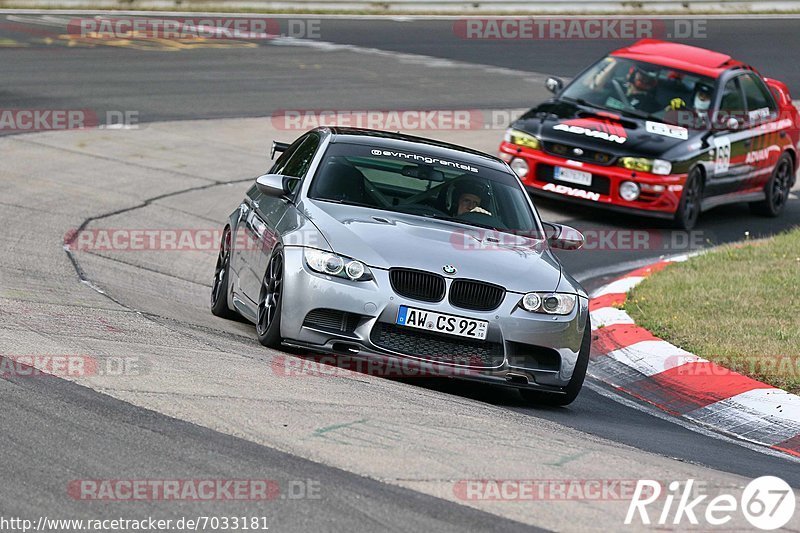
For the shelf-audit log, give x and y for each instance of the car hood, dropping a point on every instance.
(577, 126)
(384, 239)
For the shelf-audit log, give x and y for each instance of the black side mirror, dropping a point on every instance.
(563, 237)
(554, 85)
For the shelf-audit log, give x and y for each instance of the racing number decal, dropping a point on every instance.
(723, 151)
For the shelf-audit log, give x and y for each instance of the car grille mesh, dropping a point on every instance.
(477, 295)
(437, 347)
(417, 284)
(590, 156)
(332, 319)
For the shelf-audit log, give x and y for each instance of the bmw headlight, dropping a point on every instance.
(336, 265)
(520, 138)
(551, 303)
(643, 164)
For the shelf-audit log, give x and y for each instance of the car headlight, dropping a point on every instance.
(520, 138)
(643, 164)
(336, 265)
(661, 167)
(520, 167)
(551, 303)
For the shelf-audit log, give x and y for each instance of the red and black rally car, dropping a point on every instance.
(661, 129)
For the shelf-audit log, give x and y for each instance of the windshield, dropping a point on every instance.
(644, 89)
(416, 183)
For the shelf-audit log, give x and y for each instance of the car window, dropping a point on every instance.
(284, 158)
(732, 103)
(425, 185)
(731, 97)
(298, 163)
(759, 103)
(639, 88)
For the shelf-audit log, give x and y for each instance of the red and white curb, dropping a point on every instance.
(631, 359)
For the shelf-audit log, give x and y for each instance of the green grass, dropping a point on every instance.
(738, 305)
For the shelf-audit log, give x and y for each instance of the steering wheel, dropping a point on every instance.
(620, 92)
(421, 209)
(481, 218)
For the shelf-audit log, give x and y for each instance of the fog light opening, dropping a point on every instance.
(629, 191)
(520, 167)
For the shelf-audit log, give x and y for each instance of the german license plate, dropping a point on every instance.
(573, 176)
(441, 323)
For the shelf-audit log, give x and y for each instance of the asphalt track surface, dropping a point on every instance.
(79, 432)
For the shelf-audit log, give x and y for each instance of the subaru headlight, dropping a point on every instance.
(520, 138)
(551, 303)
(661, 167)
(643, 164)
(336, 265)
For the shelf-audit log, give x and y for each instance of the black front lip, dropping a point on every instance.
(494, 375)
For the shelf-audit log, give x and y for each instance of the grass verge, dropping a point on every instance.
(738, 305)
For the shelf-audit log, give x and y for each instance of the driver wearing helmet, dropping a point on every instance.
(702, 97)
(641, 88)
(468, 196)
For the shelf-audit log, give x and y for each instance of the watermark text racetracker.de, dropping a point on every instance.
(396, 119)
(40, 119)
(194, 490)
(343, 366)
(551, 490)
(785, 366)
(201, 27)
(70, 365)
(572, 28)
(176, 240)
(595, 239)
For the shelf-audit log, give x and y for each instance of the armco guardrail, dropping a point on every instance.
(459, 7)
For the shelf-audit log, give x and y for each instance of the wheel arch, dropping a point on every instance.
(793, 155)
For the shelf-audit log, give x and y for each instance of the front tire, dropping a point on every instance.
(219, 287)
(575, 383)
(268, 324)
(777, 189)
(691, 201)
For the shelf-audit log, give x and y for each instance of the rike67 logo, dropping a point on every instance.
(767, 503)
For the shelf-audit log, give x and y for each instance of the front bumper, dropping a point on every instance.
(532, 350)
(606, 180)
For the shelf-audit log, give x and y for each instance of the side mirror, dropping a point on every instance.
(275, 185)
(563, 237)
(554, 85)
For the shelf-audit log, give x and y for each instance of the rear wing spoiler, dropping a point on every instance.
(277, 147)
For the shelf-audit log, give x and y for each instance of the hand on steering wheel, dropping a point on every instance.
(621, 92)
